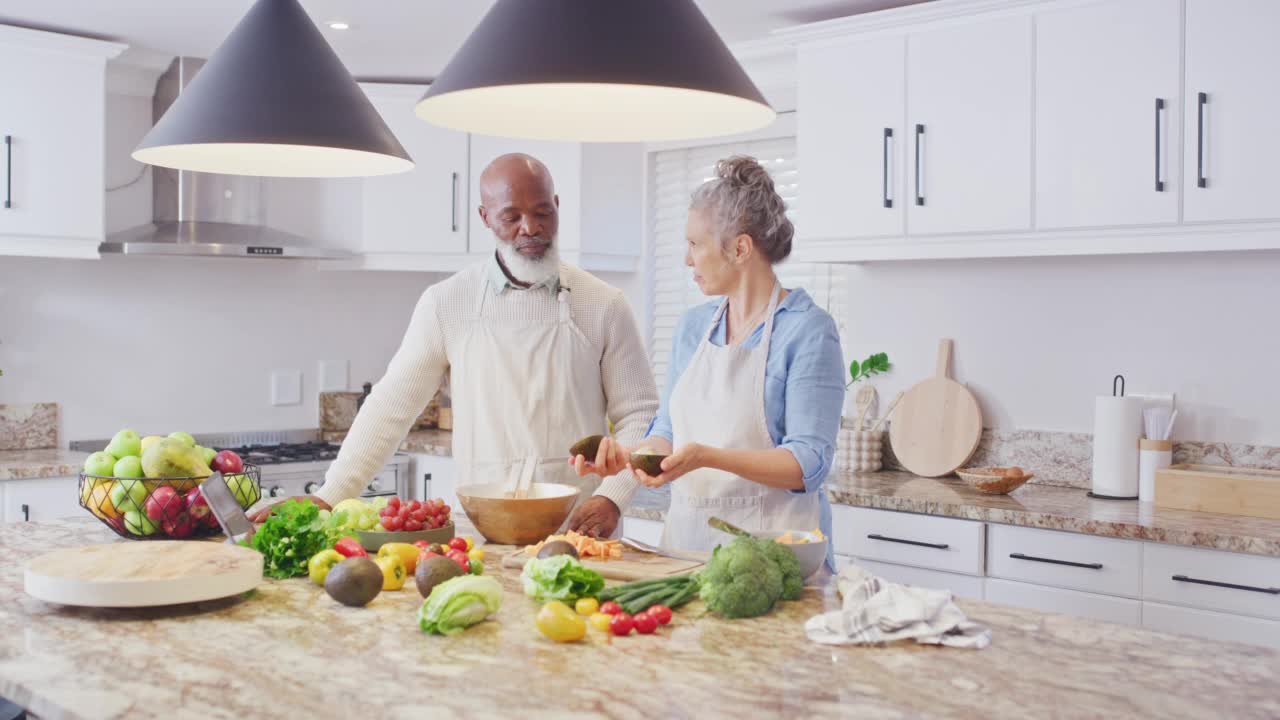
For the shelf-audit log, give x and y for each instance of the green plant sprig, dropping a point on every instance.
(873, 365)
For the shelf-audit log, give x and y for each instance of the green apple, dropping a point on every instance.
(206, 454)
(137, 523)
(128, 495)
(126, 443)
(150, 440)
(128, 467)
(184, 438)
(243, 488)
(100, 463)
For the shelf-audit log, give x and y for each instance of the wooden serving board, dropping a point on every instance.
(938, 423)
(634, 565)
(1254, 492)
(143, 573)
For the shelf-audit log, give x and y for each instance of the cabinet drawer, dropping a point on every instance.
(908, 539)
(963, 586)
(1066, 560)
(46, 499)
(1210, 624)
(1195, 568)
(1067, 602)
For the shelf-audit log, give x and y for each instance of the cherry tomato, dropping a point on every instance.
(610, 608)
(412, 524)
(586, 606)
(621, 624)
(458, 543)
(461, 559)
(470, 544)
(661, 613)
(645, 623)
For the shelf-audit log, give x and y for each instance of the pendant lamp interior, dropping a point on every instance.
(587, 70)
(274, 100)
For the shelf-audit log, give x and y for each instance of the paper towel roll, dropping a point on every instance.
(1117, 427)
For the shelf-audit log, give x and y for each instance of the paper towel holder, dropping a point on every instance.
(1117, 390)
(1120, 380)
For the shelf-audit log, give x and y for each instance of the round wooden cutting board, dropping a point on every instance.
(143, 573)
(938, 423)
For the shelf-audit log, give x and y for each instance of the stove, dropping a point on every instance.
(292, 462)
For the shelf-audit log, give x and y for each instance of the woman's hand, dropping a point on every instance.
(610, 459)
(679, 463)
(260, 515)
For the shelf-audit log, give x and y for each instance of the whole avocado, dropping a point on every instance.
(433, 571)
(354, 582)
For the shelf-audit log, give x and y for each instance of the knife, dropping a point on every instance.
(663, 552)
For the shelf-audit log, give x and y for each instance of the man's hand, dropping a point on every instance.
(685, 460)
(261, 514)
(597, 517)
(610, 459)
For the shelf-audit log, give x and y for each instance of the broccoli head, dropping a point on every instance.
(785, 559)
(741, 580)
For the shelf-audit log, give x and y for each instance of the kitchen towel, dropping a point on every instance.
(1117, 426)
(875, 610)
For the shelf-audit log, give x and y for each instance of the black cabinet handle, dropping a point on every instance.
(453, 205)
(919, 164)
(888, 135)
(1090, 566)
(8, 171)
(935, 546)
(1201, 180)
(1159, 175)
(26, 513)
(1233, 586)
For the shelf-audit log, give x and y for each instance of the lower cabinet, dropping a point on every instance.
(1210, 624)
(43, 499)
(1067, 602)
(961, 586)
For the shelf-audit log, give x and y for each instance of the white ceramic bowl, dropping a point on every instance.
(810, 554)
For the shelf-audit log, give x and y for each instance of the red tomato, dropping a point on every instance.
(645, 623)
(460, 558)
(412, 525)
(621, 624)
(393, 523)
(610, 608)
(661, 613)
(458, 544)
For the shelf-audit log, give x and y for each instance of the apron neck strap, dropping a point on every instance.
(563, 299)
(774, 298)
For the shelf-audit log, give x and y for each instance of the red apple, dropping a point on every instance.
(227, 463)
(164, 503)
(198, 506)
(178, 527)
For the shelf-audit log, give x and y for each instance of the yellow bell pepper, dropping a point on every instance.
(393, 573)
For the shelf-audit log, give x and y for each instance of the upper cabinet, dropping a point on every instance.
(851, 137)
(993, 128)
(969, 128)
(1231, 154)
(423, 210)
(51, 143)
(1108, 113)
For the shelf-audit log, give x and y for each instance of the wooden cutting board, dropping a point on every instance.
(143, 573)
(938, 424)
(634, 565)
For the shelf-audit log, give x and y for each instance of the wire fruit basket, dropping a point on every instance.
(162, 508)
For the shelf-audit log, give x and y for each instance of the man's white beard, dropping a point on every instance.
(528, 270)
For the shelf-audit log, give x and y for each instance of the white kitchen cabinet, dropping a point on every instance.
(601, 191)
(423, 211)
(965, 586)
(1069, 560)
(52, 184)
(43, 499)
(436, 477)
(1232, 151)
(1068, 602)
(851, 139)
(1108, 112)
(1209, 624)
(969, 127)
(1212, 580)
(646, 531)
(925, 541)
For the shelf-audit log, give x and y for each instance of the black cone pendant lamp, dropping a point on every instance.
(274, 100)
(595, 70)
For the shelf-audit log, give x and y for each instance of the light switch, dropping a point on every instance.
(333, 375)
(286, 387)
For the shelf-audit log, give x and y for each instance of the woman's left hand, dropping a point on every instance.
(684, 460)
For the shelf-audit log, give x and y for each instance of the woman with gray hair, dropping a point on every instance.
(756, 381)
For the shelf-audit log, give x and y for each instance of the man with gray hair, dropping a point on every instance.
(540, 354)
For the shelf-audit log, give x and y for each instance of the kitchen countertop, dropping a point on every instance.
(33, 464)
(287, 650)
(425, 442)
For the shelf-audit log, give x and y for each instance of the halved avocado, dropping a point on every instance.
(586, 447)
(557, 547)
(649, 463)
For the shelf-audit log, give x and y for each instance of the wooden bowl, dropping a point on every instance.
(517, 521)
(991, 480)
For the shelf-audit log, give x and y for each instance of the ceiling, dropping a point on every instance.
(388, 39)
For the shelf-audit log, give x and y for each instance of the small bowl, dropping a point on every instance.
(990, 480)
(811, 554)
(372, 540)
(517, 521)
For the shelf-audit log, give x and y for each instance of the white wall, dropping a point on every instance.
(1037, 339)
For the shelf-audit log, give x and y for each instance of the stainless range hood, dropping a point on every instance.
(206, 214)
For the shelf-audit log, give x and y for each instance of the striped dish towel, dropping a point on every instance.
(875, 610)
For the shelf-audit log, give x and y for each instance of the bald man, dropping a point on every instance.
(540, 354)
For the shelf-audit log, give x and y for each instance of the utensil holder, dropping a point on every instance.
(868, 450)
(1153, 455)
